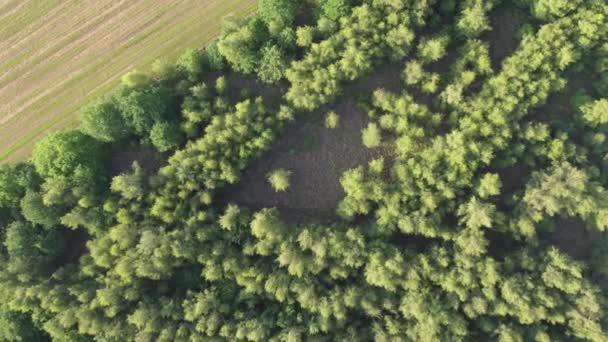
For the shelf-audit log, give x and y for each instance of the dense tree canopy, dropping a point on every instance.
(480, 215)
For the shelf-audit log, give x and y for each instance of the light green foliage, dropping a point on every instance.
(279, 179)
(596, 113)
(272, 65)
(563, 190)
(221, 86)
(332, 120)
(135, 79)
(230, 218)
(409, 120)
(305, 36)
(472, 63)
(489, 185)
(552, 9)
(476, 214)
(473, 20)
(371, 136)
(130, 185)
(430, 83)
(433, 49)
(315, 80)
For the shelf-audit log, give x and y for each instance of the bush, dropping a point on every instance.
(332, 120)
(279, 179)
(372, 136)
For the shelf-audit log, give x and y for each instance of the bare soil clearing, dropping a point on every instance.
(316, 156)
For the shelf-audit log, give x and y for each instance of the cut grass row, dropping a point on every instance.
(71, 77)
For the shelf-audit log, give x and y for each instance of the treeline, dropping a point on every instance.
(433, 243)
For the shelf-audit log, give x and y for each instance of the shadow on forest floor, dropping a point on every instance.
(316, 156)
(504, 36)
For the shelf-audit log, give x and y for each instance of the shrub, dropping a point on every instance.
(279, 179)
(332, 120)
(372, 136)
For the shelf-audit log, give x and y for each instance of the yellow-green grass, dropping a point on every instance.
(57, 55)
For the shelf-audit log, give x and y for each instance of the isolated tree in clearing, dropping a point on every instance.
(279, 179)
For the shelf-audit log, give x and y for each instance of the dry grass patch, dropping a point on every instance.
(56, 55)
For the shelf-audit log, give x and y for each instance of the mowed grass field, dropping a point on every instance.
(57, 55)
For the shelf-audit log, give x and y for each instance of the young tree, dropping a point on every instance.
(433, 49)
(272, 65)
(131, 185)
(553, 9)
(596, 113)
(221, 85)
(279, 179)
(489, 185)
(413, 73)
(372, 136)
(473, 19)
(332, 120)
(305, 36)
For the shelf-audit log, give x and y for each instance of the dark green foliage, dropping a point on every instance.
(454, 230)
(18, 327)
(194, 63)
(35, 211)
(103, 121)
(279, 179)
(166, 136)
(335, 9)
(239, 50)
(144, 106)
(69, 154)
(14, 182)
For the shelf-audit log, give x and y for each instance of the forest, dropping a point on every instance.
(329, 170)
